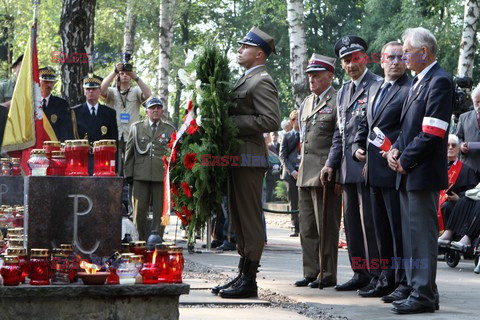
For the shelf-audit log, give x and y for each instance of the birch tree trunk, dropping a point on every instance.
(469, 39)
(129, 31)
(76, 33)
(298, 50)
(167, 9)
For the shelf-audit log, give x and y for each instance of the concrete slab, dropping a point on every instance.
(236, 314)
(203, 297)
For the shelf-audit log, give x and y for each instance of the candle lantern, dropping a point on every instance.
(50, 146)
(16, 171)
(24, 264)
(58, 164)
(161, 260)
(127, 270)
(60, 267)
(40, 267)
(175, 264)
(18, 221)
(104, 157)
(6, 169)
(125, 248)
(72, 261)
(138, 247)
(38, 162)
(149, 273)
(16, 243)
(76, 153)
(11, 271)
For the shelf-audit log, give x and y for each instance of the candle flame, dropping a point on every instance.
(154, 258)
(89, 267)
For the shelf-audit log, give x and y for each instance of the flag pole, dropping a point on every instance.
(35, 3)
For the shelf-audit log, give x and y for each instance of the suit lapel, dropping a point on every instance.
(326, 97)
(372, 95)
(390, 94)
(242, 80)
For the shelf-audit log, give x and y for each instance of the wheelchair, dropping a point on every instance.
(452, 255)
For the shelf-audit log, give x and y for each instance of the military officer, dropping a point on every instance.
(146, 145)
(257, 112)
(55, 108)
(352, 102)
(318, 118)
(92, 120)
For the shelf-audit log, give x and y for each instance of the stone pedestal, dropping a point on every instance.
(84, 211)
(81, 302)
(11, 190)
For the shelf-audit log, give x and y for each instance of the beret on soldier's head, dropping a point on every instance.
(257, 38)
(47, 74)
(92, 81)
(349, 44)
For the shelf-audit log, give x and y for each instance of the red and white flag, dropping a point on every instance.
(434, 126)
(380, 140)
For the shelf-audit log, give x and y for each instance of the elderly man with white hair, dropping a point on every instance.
(419, 156)
(468, 131)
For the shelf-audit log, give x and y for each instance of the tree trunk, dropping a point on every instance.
(298, 49)
(468, 42)
(167, 8)
(129, 31)
(76, 33)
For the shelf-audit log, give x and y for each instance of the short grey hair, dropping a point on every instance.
(284, 124)
(420, 37)
(453, 138)
(476, 91)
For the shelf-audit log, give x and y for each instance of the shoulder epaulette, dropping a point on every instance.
(75, 107)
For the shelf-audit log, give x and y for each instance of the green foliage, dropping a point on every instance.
(281, 190)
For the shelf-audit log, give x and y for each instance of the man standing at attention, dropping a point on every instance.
(419, 156)
(256, 113)
(318, 118)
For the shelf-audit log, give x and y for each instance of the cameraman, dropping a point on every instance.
(468, 129)
(126, 100)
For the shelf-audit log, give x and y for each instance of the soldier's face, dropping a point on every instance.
(248, 55)
(354, 67)
(392, 63)
(46, 87)
(92, 94)
(319, 81)
(154, 113)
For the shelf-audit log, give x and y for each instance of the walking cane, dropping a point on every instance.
(322, 238)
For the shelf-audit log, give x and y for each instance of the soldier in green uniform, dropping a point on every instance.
(146, 146)
(6, 87)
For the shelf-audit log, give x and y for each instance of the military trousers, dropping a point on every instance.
(144, 193)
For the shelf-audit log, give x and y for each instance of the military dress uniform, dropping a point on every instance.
(143, 162)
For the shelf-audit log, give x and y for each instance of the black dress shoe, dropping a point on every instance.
(374, 293)
(350, 285)
(294, 234)
(395, 296)
(304, 282)
(368, 287)
(410, 307)
(399, 302)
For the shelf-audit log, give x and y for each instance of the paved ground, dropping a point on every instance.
(281, 266)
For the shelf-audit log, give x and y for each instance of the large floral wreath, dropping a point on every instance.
(197, 186)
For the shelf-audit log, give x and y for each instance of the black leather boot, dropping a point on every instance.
(246, 287)
(216, 289)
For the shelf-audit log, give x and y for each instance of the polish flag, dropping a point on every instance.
(380, 140)
(434, 126)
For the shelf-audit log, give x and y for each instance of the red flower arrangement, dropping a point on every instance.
(179, 215)
(174, 189)
(186, 189)
(186, 212)
(173, 137)
(193, 127)
(190, 160)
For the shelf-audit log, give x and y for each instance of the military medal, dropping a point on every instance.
(104, 130)
(53, 118)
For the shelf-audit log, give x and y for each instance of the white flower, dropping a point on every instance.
(198, 84)
(190, 56)
(184, 77)
(199, 120)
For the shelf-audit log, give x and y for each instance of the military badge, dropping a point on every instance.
(164, 138)
(104, 130)
(326, 110)
(346, 41)
(53, 118)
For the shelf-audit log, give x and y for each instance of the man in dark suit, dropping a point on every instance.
(92, 120)
(318, 119)
(55, 108)
(352, 100)
(468, 130)
(419, 156)
(289, 157)
(257, 112)
(383, 112)
(273, 171)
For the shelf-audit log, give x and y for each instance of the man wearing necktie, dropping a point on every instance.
(256, 113)
(146, 145)
(92, 120)
(357, 213)
(383, 111)
(419, 157)
(318, 120)
(55, 108)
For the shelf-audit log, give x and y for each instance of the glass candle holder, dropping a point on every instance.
(113, 277)
(127, 270)
(149, 273)
(138, 248)
(40, 267)
(50, 146)
(6, 169)
(161, 260)
(72, 261)
(125, 248)
(104, 157)
(76, 153)
(175, 264)
(11, 271)
(24, 264)
(16, 170)
(60, 267)
(38, 162)
(58, 164)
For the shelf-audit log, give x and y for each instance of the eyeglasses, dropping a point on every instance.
(453, 145)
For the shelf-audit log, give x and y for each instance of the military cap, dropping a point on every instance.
(349, 44)
(154, 101)
(257, 38)
(47, 74)
(321, 63)
(19, 59)
(92, 81)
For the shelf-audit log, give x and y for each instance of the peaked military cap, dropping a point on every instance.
(257, 38)
(321, 63)
(19, 59)
(92, 81)
(47, 74)
(349, 44)
(154, 101)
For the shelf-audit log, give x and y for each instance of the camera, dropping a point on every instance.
(463, 99)
(125, 59)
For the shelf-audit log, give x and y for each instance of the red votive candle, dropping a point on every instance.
(76, 153)
(162, 262)
(138, 248)
(58, 164)
(11, 271)
(175, 264)
(16, 171)
(50, 146)
(40, 267)
(113, 277)
(24, 264)
(104, 157)
(149, 273)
